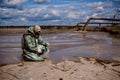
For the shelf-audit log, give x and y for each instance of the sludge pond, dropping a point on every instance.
(66, 45)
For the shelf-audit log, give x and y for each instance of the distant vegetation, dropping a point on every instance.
(80, 27)
(90, 28)
(43, 27)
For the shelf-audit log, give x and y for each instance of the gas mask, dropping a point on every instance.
(37, 30)
(37, 33)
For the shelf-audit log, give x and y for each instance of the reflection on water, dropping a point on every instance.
(95, 44)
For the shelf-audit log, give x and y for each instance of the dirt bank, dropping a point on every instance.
(81, 69)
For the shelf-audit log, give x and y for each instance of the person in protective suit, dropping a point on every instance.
(34, 47)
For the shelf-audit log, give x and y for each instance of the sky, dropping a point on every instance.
(54, 12)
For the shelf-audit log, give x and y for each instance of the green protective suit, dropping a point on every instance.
(30, 45)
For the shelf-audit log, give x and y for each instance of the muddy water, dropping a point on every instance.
(64, 46)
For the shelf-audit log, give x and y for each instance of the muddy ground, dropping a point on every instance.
(81, 69)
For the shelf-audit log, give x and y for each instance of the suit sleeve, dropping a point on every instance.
(41, 41)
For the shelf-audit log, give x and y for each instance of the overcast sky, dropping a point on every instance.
(54, 12)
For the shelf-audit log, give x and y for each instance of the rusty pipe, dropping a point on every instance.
(108, 19)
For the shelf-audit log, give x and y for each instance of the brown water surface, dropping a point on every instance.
(65, 45)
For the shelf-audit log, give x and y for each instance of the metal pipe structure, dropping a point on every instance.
(98, 23)
(108, 19)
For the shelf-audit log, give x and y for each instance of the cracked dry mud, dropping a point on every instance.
(82, 69)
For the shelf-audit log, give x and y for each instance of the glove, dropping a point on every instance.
(39, 51)
(47, 44)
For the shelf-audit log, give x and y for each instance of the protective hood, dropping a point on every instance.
(31, 30)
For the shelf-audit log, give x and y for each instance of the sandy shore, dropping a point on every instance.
(81, 69)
